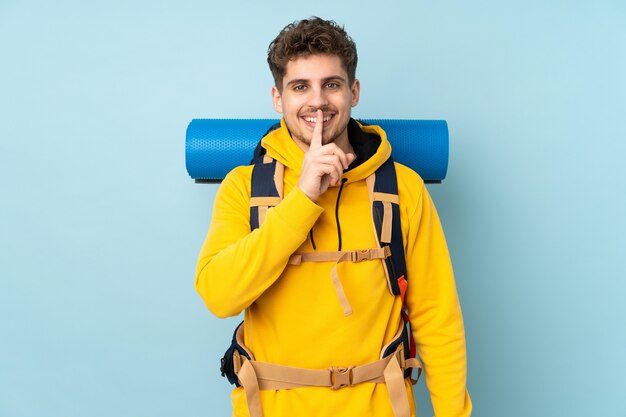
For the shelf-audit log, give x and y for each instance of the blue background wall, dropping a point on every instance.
(100, 226)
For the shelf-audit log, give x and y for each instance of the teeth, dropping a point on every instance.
(314, 119)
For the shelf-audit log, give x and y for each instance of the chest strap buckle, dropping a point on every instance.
(341, 377)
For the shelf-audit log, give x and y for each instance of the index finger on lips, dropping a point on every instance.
(316, 139)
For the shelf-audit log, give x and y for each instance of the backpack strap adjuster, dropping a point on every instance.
(369, 254)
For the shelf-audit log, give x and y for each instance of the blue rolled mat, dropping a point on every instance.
(213, 147)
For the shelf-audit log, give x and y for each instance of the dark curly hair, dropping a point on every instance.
(308, 37)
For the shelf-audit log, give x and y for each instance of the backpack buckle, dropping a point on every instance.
(341, 377)
(360, 255)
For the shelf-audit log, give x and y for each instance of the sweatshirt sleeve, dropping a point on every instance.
(435, 313)
(236, 265)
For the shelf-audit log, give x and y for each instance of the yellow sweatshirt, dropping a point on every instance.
(292, 314)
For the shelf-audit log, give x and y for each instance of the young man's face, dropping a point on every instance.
(316, 82)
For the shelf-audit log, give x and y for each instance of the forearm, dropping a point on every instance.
(440, 337)
(435, 314)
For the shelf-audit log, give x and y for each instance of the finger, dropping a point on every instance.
(324, 183)
(341, 156)
(337, 172)
(338, 168)
(328, 160)
(332, 170)
(333, 149)
(351, 157)
(316, 139)
(324, 162)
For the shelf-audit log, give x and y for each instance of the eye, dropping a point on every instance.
(299, 87)
(332, 85)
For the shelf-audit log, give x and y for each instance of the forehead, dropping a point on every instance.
(314, 67)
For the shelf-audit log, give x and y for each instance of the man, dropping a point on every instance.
(303, 314)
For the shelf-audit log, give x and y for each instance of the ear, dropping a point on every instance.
(356, 91)
(276, 100)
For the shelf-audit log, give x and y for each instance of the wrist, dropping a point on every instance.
(311, 196)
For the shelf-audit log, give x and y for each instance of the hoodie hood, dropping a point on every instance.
(363, 138)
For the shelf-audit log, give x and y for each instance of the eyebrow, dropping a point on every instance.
(325, 80)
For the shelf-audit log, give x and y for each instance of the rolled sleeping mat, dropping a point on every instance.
(213, 147)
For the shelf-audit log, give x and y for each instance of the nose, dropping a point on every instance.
(318, 98)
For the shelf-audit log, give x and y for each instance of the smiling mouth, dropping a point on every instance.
(312, 120)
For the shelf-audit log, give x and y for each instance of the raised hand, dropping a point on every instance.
(323, 165)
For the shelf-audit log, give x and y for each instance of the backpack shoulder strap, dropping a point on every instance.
(259, 150)
(383, 189)
(266, 188)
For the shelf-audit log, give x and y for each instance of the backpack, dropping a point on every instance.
(267, 192)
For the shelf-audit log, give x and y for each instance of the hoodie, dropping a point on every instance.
(291, 312)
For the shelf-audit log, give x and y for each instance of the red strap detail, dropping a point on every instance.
(412, 347)
(402, 284)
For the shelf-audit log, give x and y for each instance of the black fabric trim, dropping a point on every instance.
(339, 243)
(364, 144)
